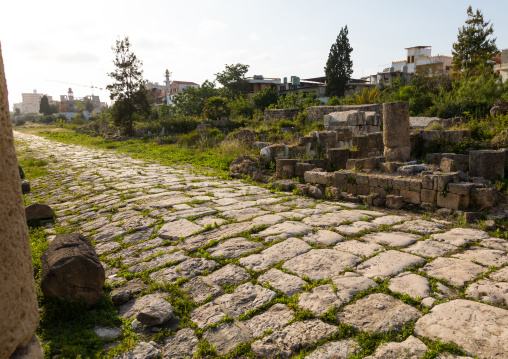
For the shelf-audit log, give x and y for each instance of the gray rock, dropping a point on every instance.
(335, 218)
(39, 211)
(389, 220)
(229, 275)
(182, 345)
(245, 298)
(489, 291)
(289, 248)
(133, 307)
(268, 220)
(105, 247)
(286, 230)
(107, 332)
(411, 284)
(378, 313)
(487, 257)
(124, 293)
(274, 318)
(350, 283)
(226, 337)
(157, 312)
(175, 257)
(319, 299)
(392, 239)
(496, 243)
(286, 283)
(387, 264)
(323, 237)
(428, 302)
(460, 236)
(356, 227)
(455, 271)
(336, 350)
(290, 340)
(138, 236)
(430, 248)
(411, 348)
(233, 248)
(228, 230)
(207, 314)
(318, 264)
(25, 187)
(451, 356)
(244, 214)
(420, 226)
(480, 329)
(188, 269)
(199, 290)
(138, 223)
(500, 275)
(108, 233)
(359, 248)
(181, 228)
(141, 351)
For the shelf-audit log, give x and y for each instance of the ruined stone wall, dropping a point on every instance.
(280, 114)
(316, 113)
(19, 316)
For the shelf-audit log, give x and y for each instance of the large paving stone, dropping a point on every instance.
(190, 268)
(480, 329)
(178, 229)
(138, 223)
(208, 314)
(290, 340)
(420, 226)
(199, 290)
(274, 318)
(319, 299)
(244, 214)
(189, 212)
(487, 257)
(233, 248)
(245, 298)
(411, 348)
(268, 220)
(378, 313)
(286, 283)
(285, 230)
(489, 291)
(496, 243)
(138, 236)
(226, 337)
(335, 218)
(142, 350)
(318, 264)
(133, 307)
(500, 275)
(455, 271)
(451, 356)
(388, 264)
(392, 239)
(356, 227)
(287, 249)
(176, 257)
(336, 350)
(430, 248)
(199, 240)
(410, 284)
(228, 275)
(351, 283)
(460, 236)
(323, 237)
(108, 233)
(359, 248)
(181, 345)
(389, 220)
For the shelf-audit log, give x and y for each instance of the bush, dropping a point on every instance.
(241, 107)
(78, 120)
(19, 122)
(188, 139)
(47, 119)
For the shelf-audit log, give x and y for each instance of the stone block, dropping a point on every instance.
(342, 178)
(415, 185)
(363, 190)
(487, 164)
(411, 197)
(448, 165)
(388, 167)
(427, 195)
(362, 179)
(428, 182)
(451, 200)
(484, 197)
(400, 184)
(285, 168)
(301, 168)
(338, 157)
(395, 202)
(442, 181)
(396, 124)
(323, 178)
(461, 188)
(323, 163)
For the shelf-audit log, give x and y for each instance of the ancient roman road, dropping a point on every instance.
(274, 270)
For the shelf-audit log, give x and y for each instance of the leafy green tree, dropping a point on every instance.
(191, 101)
(54, 108)
(339, 66)
(299, 101)
(127, 90)
(474, 46)
(79, 106)
(44, 107)
(89, 106)
(17, 111)
(234, 81)
(265, 98)
(216, 108)
(241, 107)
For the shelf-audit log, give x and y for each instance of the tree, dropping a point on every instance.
(44, 107)
(128, 90)
(54, 108)
(89, 106)
(79, 106)
(233, 79)
(339, 67)
(265, 98)
(191, 101)
(474, 47)
(216, 108)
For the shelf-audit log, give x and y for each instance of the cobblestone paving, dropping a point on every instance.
(276, 271)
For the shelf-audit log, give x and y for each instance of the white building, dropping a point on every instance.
(31, 102)
(419, 58)
(501, 68)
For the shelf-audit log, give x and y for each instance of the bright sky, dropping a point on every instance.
(71, 41)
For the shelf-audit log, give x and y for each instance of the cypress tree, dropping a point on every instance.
(339, 66)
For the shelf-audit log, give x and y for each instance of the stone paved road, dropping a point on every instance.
(253, 262)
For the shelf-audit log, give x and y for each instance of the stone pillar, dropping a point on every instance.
(396, 136)
(487, 164)
(19, 315)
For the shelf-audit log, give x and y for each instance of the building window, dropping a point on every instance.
(409, 59)
(412, 59)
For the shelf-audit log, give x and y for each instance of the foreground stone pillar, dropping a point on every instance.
(19, 316)
(487, 164)
(396, 136)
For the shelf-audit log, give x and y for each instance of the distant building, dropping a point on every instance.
(178, 86)
(31, 102)
(258, 83)
(68, 102)
(501, 64)
(297, 86)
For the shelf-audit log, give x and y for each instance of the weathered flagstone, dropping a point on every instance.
(318, 264)
(351, 283)
(133, 307)
(289, 248)
(209, 221)
(226, 337)
(319, 299)
(108, 233)
(323, 237)
(181, 345)
(288, 341)
(138, 223)
(174, 258)
(480, 329)
(410, 284)
(189, 212)
(123, 215)
(95, 224)
(392, 239)
(378, 313)
(455, 271)
(138, 236)
(496, 243)
(359, 248)
(105, 247)
(178, 229)
(356, 227)
(451, 356)
(500, 275)
(245, 298)
(199, 290)
(336, 350)
(430, 248)
(187, 269)
(387, 264)
(207, 314)
(334, 218)
(285, 230)
(419, 225)
(487, 257)
(286, 283)
(411, 348)
(274, 318)
(142, 350)
(228, 275)
(141, 256)
(460, 236)
(489, 291)
(389, 220)
(216, 234)
(244, 214)
(268, 220)
(233, 247)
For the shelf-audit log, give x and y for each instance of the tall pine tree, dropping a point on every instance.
(474, 47)
(339, 66)
(44, 107)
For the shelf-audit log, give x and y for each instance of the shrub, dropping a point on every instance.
(47, 119)
(19, 122)
(188, 139)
